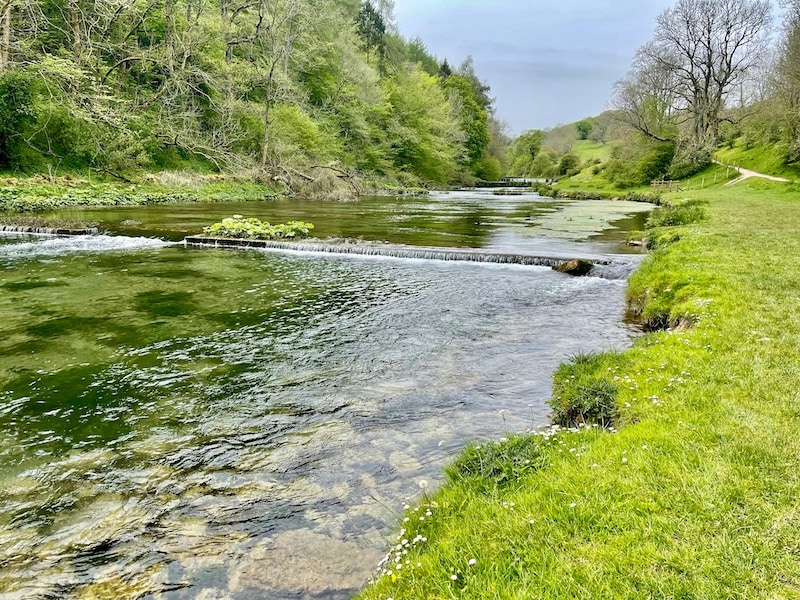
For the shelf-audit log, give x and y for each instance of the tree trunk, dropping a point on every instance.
(169, 31)
(5, 33)
(75, 22)
(265, 146)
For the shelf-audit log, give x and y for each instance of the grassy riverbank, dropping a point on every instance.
(37, 194)
(696, 494)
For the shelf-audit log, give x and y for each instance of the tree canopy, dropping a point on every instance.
(231, 84)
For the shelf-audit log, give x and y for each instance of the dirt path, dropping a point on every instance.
(747, 174)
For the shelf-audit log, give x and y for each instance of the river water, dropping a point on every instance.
(199, 423)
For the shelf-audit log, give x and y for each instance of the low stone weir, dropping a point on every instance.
(47, 230)
(427, 253)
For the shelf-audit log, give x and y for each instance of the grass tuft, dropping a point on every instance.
(585, 390)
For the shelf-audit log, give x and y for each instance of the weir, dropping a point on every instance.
(47, 230)
(426, 253)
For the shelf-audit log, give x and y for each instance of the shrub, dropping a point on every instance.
(16, 113)
(568, 163)
(688, 161)
(240, 227)
(673, 216)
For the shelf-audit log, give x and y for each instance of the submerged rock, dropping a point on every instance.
(575, 267)
(303, 563)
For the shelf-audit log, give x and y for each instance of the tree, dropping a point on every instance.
(372, 29)
(474, 118)
(279, 24)
(787, 82)
(647, 99)
(5, 33)
(16, 112)
(701, 51)
(584, 129)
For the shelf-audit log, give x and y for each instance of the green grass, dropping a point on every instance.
(587, 150)
(696, 493)
(763, 159)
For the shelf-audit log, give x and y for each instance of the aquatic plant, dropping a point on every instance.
(256, 229)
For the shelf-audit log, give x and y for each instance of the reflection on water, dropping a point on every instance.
(473, 219)
(216, 424)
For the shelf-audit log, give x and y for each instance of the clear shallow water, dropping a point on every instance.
(184, 423)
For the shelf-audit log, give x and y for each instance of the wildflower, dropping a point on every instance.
(472, 561)
(624, 460)
(454, 577)
(573, 505)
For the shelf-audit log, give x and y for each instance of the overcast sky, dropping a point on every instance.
(548, 62)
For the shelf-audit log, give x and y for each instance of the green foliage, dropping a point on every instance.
(568, 165)
(488, 168)
(473, 117)
(372, 29)
(585, 391)
(44, 197)
(421, 127)
(524, 152)
(17, 113)
(688, 161)
(500, 463)
(255, 229)
(675, 215)
(584, 129)
(639, 164)
(218, 90)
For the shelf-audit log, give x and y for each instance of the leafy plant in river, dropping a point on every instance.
(255, 229)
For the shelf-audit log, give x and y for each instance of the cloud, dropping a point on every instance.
(547, 62)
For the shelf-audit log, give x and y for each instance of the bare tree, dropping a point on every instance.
(279, 25)
(647, 99)
(703, 51)
(711, 46)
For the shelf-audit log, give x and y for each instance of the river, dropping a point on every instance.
(199, 423)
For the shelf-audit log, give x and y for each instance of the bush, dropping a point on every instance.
(568, 163)
(16, 113)
(689, 161)
(255, 229)
(673, 216)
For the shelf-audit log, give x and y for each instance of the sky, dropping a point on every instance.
(547, 62)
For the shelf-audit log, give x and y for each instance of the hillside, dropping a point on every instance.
(289, 89)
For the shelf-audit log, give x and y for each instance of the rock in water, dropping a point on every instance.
(575, 267)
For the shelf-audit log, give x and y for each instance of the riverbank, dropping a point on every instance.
(693, 491)
(41, 193)
(38, 194)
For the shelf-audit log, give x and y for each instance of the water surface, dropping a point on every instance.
(185, 423)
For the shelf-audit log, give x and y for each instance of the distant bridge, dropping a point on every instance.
(510, 182)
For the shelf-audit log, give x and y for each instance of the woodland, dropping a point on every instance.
(273, 89)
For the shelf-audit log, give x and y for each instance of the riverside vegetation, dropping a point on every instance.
(308, 97)
(673, 473)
